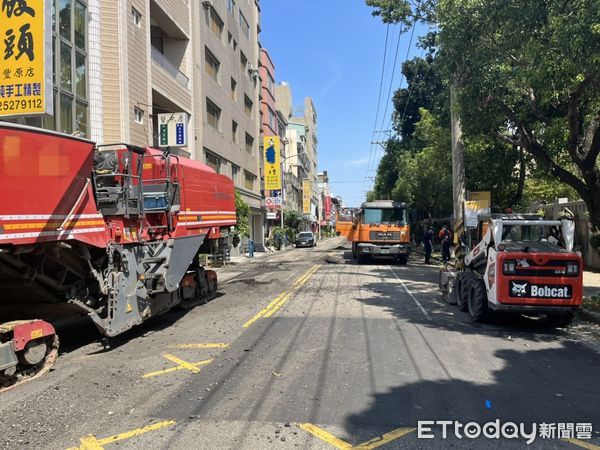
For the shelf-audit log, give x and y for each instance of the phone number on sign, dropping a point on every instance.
(14, 105)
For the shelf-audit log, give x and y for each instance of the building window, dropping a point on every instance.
(243, 62)
(231, 41)
(69, 45)
(249, 180)
(271, 119)
(212, 161)
(230, 6)
(234, 131)
(213, 114)
(249, 143)
(211, 64)
(136, 16)
(216, 24)
(244, 25)
(248, 105)
(139, 115)
(270, 83)
(233, 90)
(235, 174)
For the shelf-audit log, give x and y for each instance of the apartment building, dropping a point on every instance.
(121, 63)
(302, 142)
(226, 75)
(269, 127)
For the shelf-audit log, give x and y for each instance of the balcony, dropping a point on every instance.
(168, 66)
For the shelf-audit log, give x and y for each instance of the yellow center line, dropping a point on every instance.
(193, 367)
(279, 305)
(266, 309)
(387, 437)
(582, 444)
(325, 436)
(210, 345)
(369, 445)
(280, 300)
(93, 443)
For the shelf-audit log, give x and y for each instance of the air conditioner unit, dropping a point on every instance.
(251, 68)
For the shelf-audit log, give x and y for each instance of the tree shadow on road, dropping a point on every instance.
(557, 384)
(551, 385)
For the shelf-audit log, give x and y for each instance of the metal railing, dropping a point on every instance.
(168, 66)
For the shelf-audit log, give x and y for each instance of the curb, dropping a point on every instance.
(590, 316)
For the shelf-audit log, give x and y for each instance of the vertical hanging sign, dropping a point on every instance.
(25, 58)
(272, 156)
(172, 129)
(306, 196)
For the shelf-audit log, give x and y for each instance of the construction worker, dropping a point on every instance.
(428, 243)
(446, 240)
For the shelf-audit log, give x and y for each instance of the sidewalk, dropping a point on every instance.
(591, 283)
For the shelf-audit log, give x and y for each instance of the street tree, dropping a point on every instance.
(528, 73)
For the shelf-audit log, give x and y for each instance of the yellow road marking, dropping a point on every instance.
(92, 443)
(263, 311)
(280, 300)
(387, 437)
(181, 365)
(371, 444)
(279, 304)
(582, 444)
(210, 345)
(325, 436)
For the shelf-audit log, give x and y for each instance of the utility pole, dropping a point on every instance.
(458, 166)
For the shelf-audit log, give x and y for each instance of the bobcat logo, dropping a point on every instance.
(519, 289)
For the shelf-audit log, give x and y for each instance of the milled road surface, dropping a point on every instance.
(306, 348)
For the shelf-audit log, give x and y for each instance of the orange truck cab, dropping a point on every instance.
(380, 229)
(343, 222)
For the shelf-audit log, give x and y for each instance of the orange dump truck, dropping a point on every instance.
(380, 230)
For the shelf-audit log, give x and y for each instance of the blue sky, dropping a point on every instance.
(332, 51)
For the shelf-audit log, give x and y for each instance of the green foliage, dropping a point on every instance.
(528, 78)
(292, 219)
(281, 235)
(242, 213)
(592, 303)
(403, 12)
(529, 73)
(544, 189)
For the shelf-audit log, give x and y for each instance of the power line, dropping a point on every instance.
(412, 33)
(373, 161)
(385, 49)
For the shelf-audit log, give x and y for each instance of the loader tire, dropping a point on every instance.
(463, 288)
(477, 301)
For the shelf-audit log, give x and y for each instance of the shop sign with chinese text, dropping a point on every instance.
(26, 57)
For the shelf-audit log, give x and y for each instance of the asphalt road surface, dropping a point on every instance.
(306, 348)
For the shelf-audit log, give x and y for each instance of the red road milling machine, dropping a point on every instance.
(110, 232)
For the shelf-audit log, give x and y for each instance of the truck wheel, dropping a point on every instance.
(560, 320)
(403, 260)
(477, 302)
